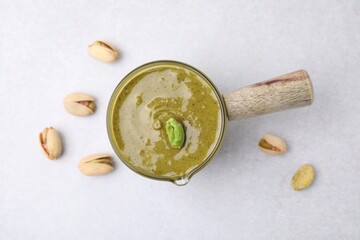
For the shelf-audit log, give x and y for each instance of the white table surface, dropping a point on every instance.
(242, 194)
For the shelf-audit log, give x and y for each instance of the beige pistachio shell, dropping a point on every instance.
(96, 165)
(79, 104)
(272, 145)
(303, 177)
(50, 143)
(103, 51)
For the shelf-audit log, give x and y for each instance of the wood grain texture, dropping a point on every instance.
(285, 92)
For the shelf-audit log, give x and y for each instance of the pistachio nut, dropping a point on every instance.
(103, 51)
(96, 164)
(272, 145)
(79, 104)
(175, 132)
(50, 143)
(303, 177)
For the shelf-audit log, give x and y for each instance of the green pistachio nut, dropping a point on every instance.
(175, 132)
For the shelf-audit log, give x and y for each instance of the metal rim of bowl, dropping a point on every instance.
(111, 108)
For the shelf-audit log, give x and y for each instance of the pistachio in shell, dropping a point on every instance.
(96, 165)
(272, 145)
(103, 51)
(79, 104)
(50, 143)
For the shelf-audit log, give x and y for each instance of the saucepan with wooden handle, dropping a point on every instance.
(144, 101)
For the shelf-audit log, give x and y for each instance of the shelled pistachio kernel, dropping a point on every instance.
(175, 132)
(79, 104)
(103, 51)
(50, 143)
(96, 165)
(303, 177)
(272, 145)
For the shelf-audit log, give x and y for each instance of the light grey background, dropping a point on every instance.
(242, 194)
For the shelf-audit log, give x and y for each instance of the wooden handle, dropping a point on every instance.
(288, 91)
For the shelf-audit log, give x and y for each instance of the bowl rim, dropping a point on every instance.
(183, 180)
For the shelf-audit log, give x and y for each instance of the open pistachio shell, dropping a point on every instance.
(103, 51)
(50, 143)
(79, 104)
(96, 165)
(272, 145)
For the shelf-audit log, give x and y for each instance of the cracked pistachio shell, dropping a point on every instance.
(272, 145)
(303, 177)
(103, 51)
(79, 104)
(96, 165)
(50, 143)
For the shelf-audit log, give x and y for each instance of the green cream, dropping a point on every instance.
(144, 105)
